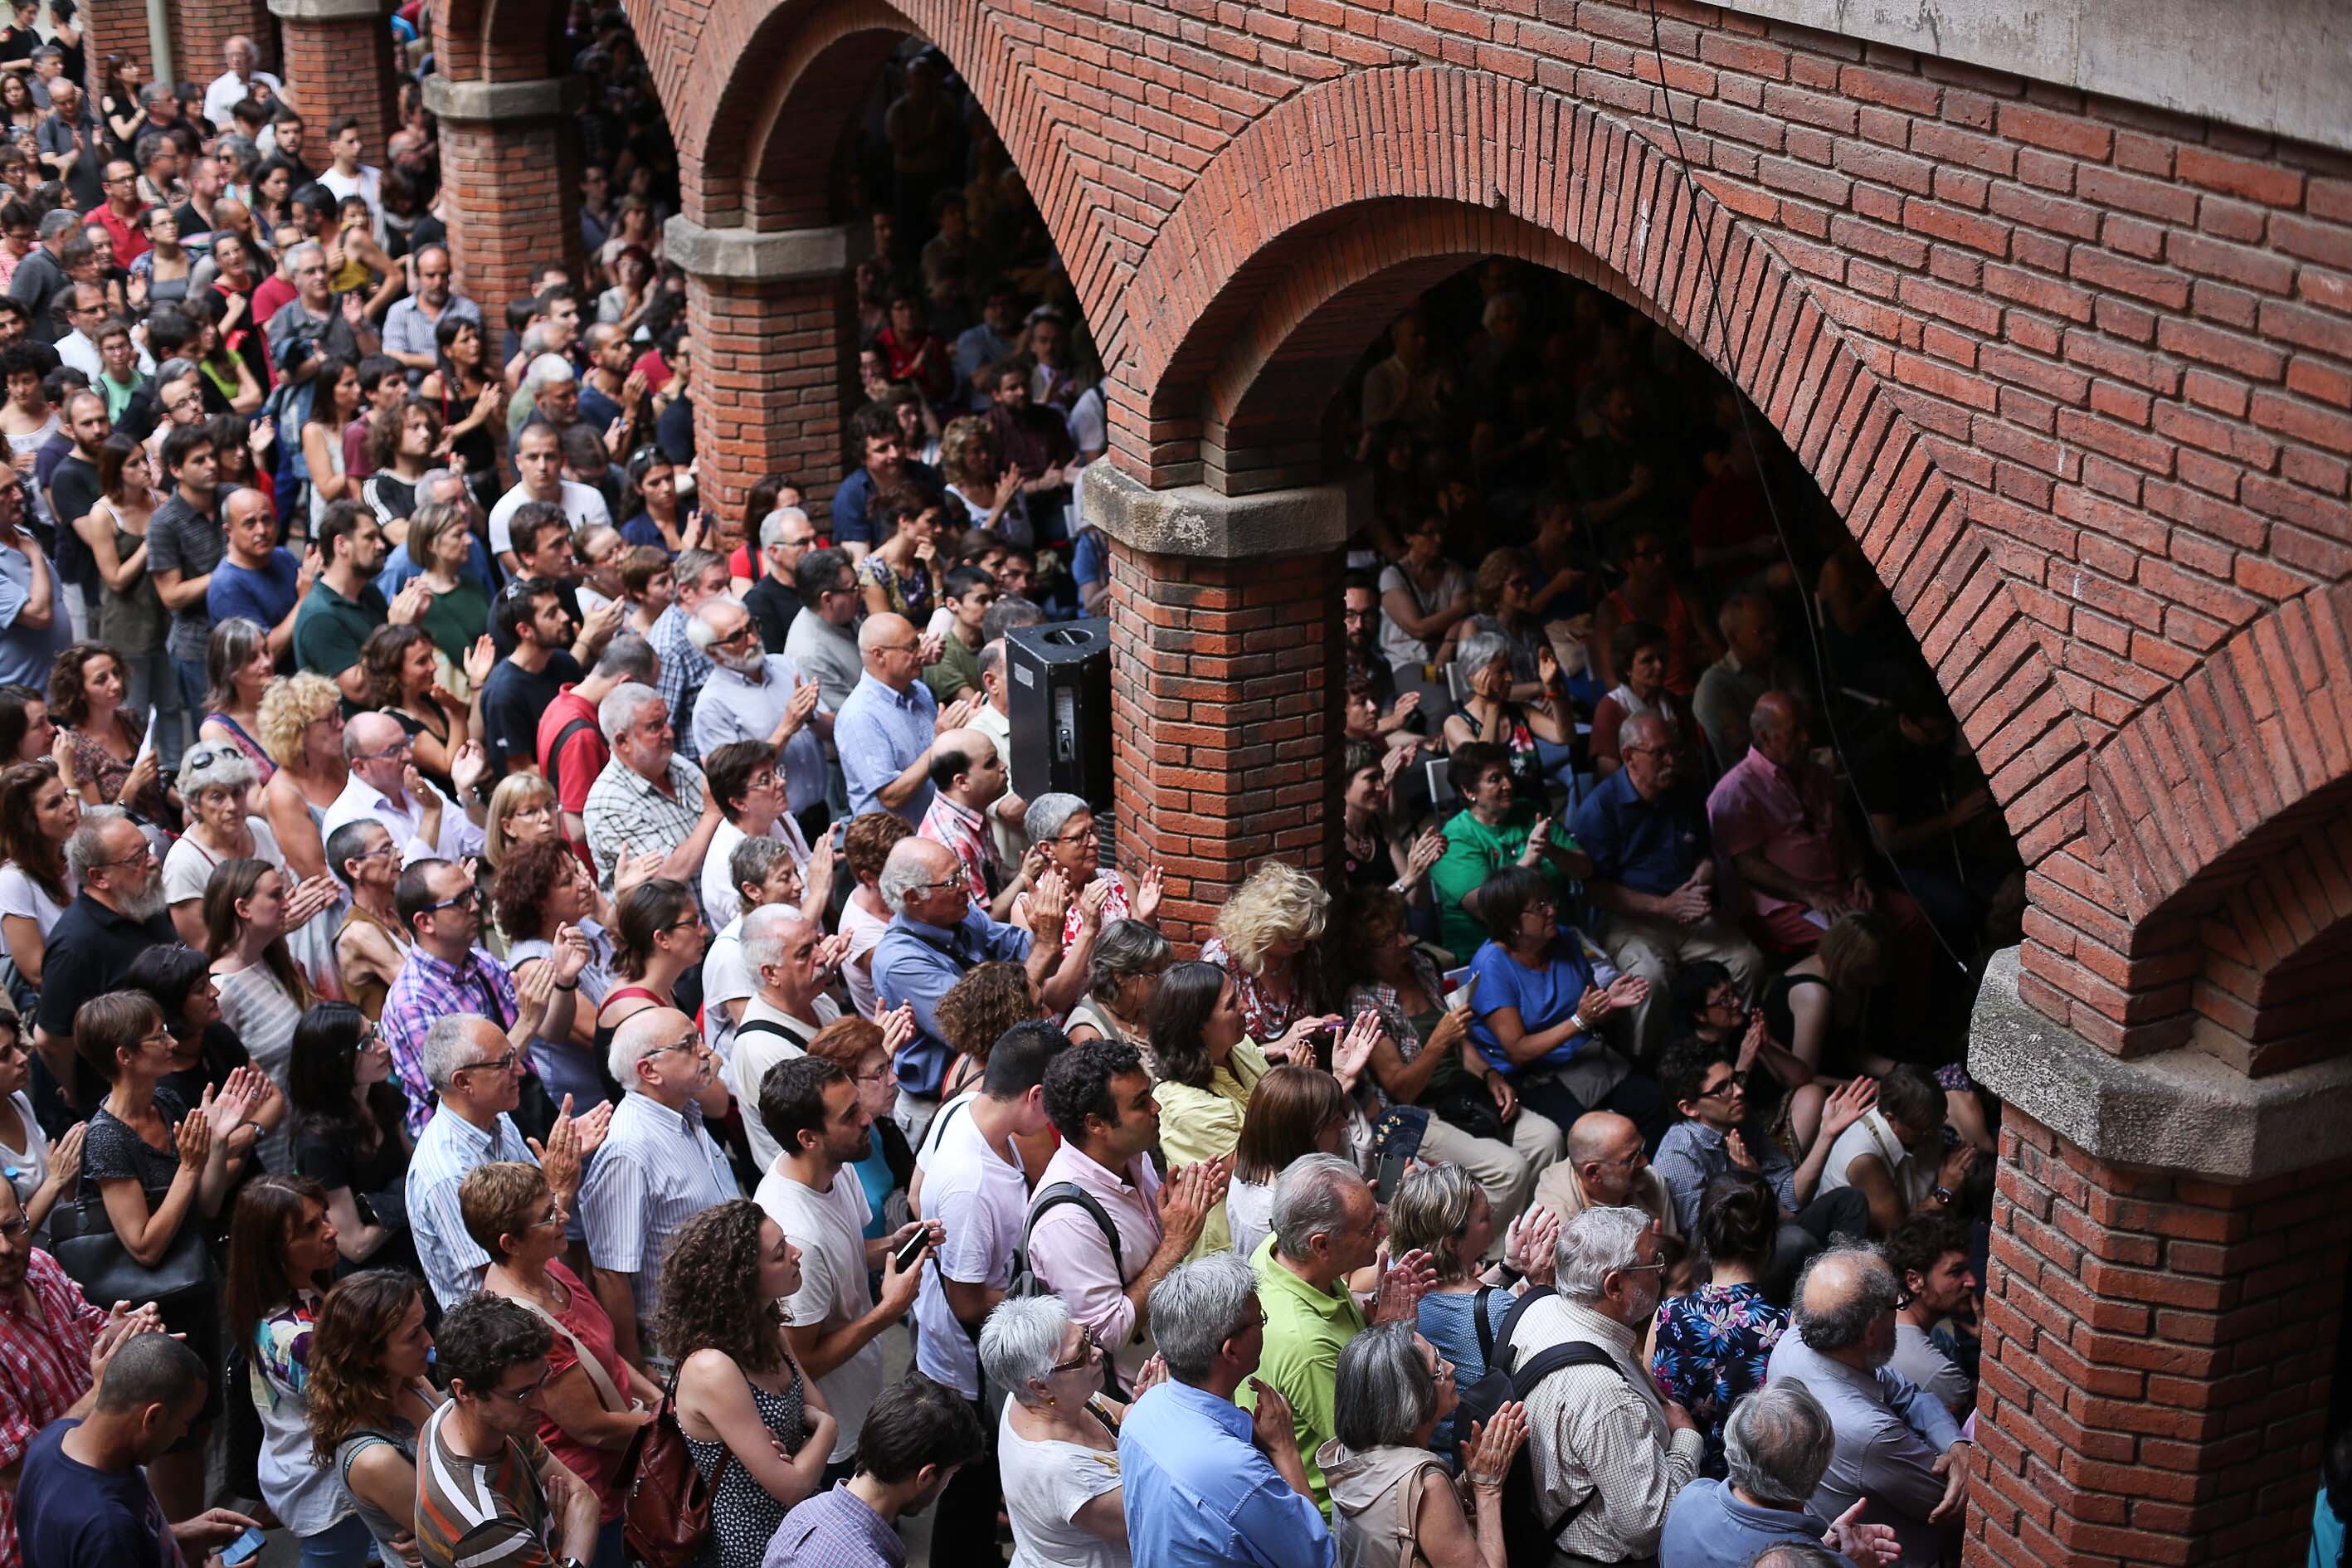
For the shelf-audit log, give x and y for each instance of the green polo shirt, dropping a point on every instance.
(958, 670)
(1474, 852)
(1306, 1328)
(330, 628)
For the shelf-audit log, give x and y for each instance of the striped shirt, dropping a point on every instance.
(44, 1367)
(450, 1149)
(656, 1170)
(480, 1515)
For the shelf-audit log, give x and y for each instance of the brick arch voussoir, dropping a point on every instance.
(1260, 245)
(736, 76)
(495, 40)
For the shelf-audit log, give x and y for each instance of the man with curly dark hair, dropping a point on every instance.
(475, 1457)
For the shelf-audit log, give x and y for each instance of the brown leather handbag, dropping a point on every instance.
(668, 1520)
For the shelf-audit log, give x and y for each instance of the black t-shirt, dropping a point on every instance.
(90, 949)
(512, 700)
(773, 605)
(73, 486)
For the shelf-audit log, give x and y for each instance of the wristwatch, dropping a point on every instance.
(1943, 1196)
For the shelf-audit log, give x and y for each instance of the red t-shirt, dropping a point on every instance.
(599, 1468)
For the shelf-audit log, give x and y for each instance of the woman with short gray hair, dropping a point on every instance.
(1056, 1444)
(1394, 1504)
(1122, 973)
(1520, 727)
(1061, 830)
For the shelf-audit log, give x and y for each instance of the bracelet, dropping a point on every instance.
(1577, 1020)
(1484, 1483)
(561, 986)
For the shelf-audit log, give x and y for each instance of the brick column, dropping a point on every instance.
(338, 62)
(509, 177)
(119, 27)
(774, 355)
(1224, 636)
(2167, 1271)
(199, 29)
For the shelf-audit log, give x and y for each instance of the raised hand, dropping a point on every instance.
(1091, 900)
(468, 768)
(558, 1157)
(1735, 1147)
(313, 897)
(570, 955)
(1849, 1104)
(1297, 1044)
(898, 1029)
(533, 992)
(1272, 1427)
(1354, 1049)
(1751, 1043)
(196, 1138)
(410, 603)
(1049, 902)
(1150, 1375)
(1184, 1205)
(1149, 890)
(1594, 1004)
(64, 1155)
(1403, 1285)
(1627, 991)
(834, 951)
(799, 709)
(630, 871)
(1533, 1245)
(1487, 1455)
(480, 660)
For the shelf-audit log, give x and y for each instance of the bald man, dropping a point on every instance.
(658, 1167)
(888, 730)
(1899, 1452)
(1605, 1167)
(968, 774)
(384, 786)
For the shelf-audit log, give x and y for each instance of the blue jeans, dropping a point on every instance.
(347, 1545)
(194, 683)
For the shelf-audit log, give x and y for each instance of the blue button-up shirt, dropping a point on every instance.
(1197, 1495)
(1649, 845)
(28, 652)
(1692, 1154)
(1708, 1527)
(1890, 1432)
(917, 964)
(450, 1150)
(880, 733)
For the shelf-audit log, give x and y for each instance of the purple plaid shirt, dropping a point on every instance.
(427, 988)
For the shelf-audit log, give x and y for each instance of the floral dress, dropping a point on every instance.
(909, 594)
(1265, 1015)
(1711, 1348)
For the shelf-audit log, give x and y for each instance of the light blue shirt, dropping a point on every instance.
(399, 571)
(656, 1169)
(1708, 1527)
(1890, 1432)
(1197, 1495)
(449, 1150)
(408, 331)
(28, 652)
(730, 708)
(880, 733)
(917, 964)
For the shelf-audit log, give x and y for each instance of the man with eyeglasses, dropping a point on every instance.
(449, 974)
(488, 1491)
(1605, 1167)
(823, 640)
(477, 1071)
(785, 535)
(648, 799)
(1718, 1133)
(119, 913)
(385, 786)
(752, 695)
(119, 213)
(311, 325)
(1608, 1454)
(888, 732)
(792, 963)
(1645, 831)
(659, 1167)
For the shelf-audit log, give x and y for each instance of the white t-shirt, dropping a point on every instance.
(1249, 1214)
(582, 508)
(1399, 645)
(1915, 1178)
(758, 1050)
(829, 1228)
(1046, 1483)
(1920, 1359)
(22, 897)
(26, 1168)
(983, 1201)
(864, 932)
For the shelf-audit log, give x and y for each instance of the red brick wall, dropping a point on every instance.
(769, 382)
(510, 190)
(2155, 1366)
(334, 69)
(1223, 723)
(116, 27)
(199, 28)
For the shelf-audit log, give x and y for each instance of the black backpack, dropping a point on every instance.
(1527, 1535)
(1025, 1281)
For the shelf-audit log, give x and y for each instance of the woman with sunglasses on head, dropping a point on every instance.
(348, 1135)
(216, 785)
(594, 1403)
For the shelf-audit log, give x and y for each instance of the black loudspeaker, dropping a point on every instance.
(1058, 702)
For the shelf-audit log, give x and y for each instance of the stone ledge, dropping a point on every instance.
(330, 10)
(1193, 519)
(2178, 1109)
(749, 256)
(477, 102)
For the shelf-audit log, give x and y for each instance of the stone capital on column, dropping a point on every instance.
(492, 102)
(752, 256)
(329, 10)
(1193, 519)
(2181, 1110)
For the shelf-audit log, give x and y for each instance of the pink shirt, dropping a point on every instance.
(1790, 816)
(1069, 1251)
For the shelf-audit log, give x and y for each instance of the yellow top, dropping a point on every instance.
(1197, 1124)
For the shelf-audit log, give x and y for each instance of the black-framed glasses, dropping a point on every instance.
(1089, 1347)
(1728, 1088)
(739, 634)
(470, 896)
(504, 1062)
(691, 1043)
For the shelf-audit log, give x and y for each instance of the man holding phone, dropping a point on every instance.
(813, 1110)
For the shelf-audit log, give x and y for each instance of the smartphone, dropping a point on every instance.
(244, 1547)
(1323, 1040)
(911, 1248)
(840, 835)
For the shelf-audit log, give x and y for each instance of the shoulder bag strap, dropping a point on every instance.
(606, 1395)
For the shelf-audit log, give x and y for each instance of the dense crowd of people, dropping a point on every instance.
(530, 990)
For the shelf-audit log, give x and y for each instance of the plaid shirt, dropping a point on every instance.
(966, 832)
(624, 808)
(44, 1367)
(683, 668)
(427, 988)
